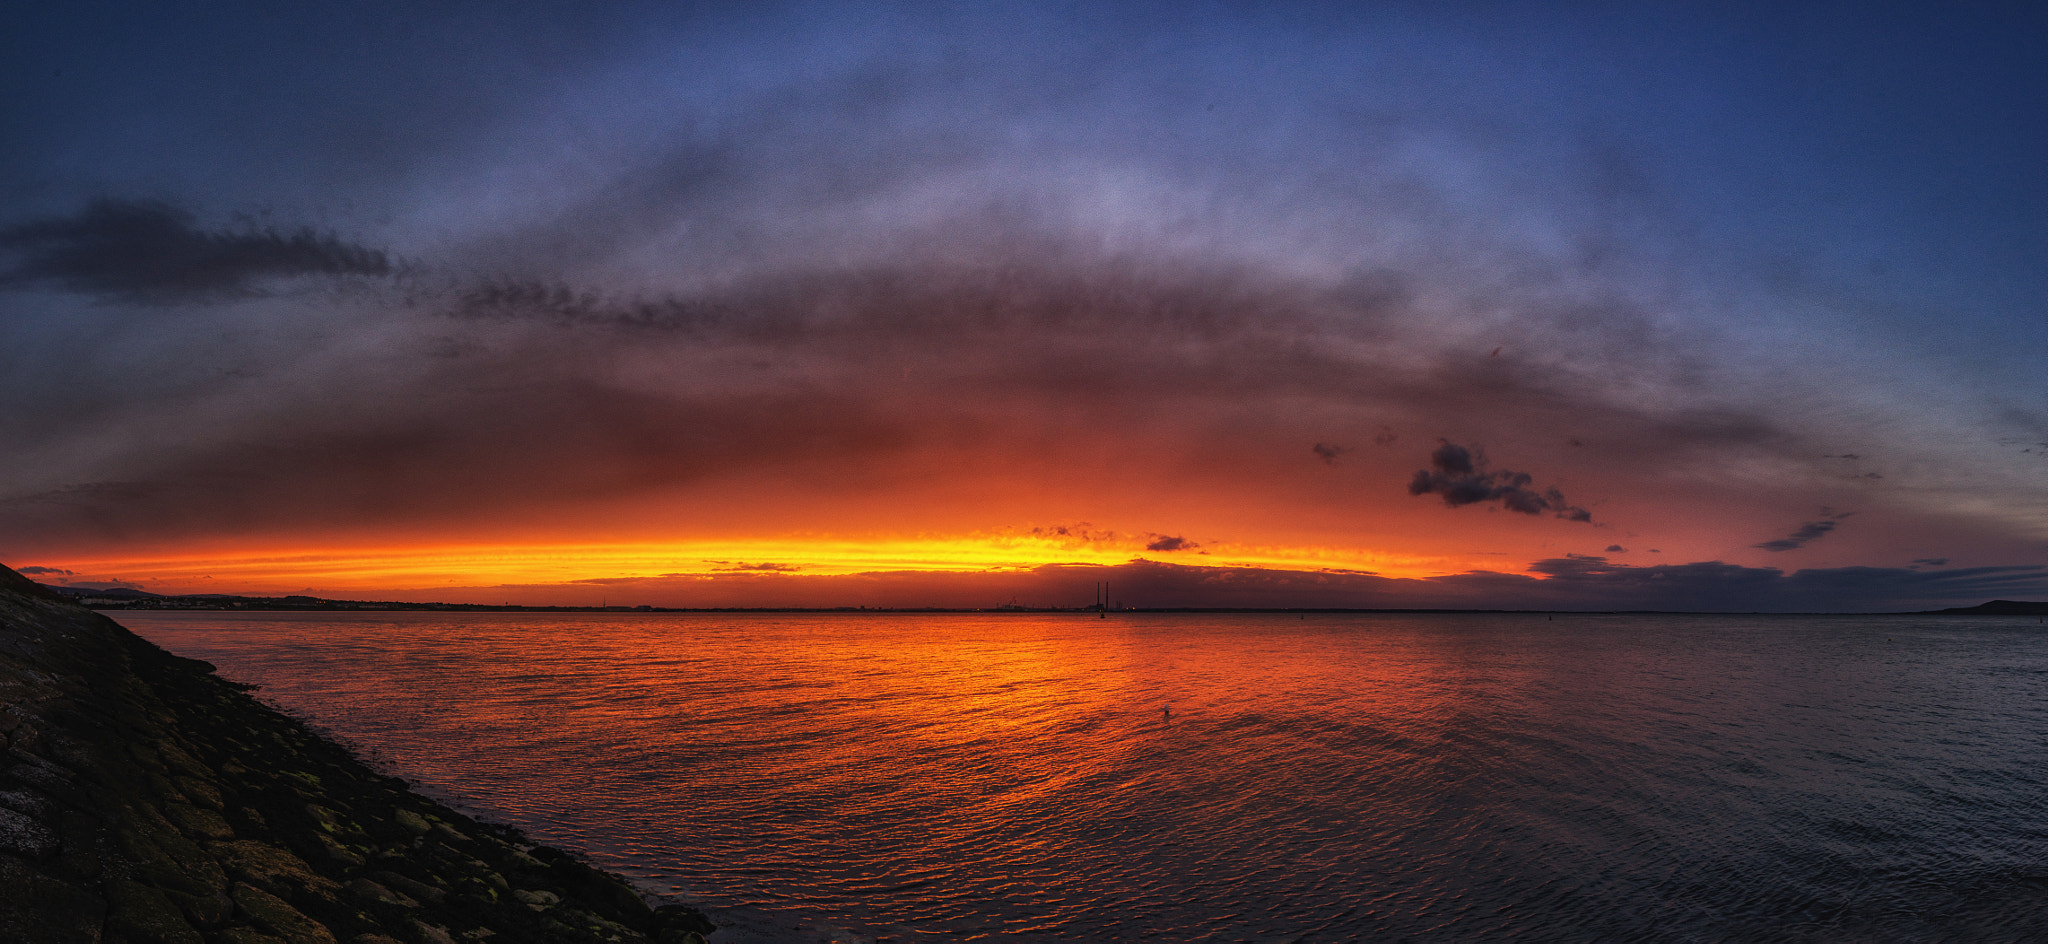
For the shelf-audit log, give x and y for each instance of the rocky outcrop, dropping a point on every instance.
(144, 799)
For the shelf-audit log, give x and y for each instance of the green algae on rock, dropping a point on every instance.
(144, 799)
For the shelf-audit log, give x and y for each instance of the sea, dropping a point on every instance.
(1066, 777)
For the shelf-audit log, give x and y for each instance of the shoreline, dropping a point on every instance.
(145, 799)
(118, 599)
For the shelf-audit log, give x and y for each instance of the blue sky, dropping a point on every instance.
(1722, 276)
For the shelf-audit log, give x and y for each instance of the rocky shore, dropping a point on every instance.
(144, 799)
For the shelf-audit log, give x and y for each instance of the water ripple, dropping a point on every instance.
(1435, 778)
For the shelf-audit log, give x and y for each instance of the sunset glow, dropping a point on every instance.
(365, 572)
(1348, 307)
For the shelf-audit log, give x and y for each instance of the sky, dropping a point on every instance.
(1581, 306)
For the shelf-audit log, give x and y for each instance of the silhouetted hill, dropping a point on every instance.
(2000, 608)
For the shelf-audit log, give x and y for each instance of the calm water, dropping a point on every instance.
(1335, 778)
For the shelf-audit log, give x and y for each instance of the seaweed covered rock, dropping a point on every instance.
(144, 799)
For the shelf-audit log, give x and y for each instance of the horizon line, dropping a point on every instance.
(217, 601)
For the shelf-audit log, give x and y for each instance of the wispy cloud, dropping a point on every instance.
(146, 252)
(1806, 533)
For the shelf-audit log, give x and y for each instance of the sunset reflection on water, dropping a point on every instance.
(876, 776)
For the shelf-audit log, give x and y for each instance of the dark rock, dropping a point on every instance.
(24, 836)
(78, 862)
(537, 900)
(38, 772)
(144, 798)
(413, 822)
(589, 882)
(276, 916)
(417, 889)
(193, 875)
(141, 913)
(328, 820)
(198, 823)
(371, 891)
(248, 936)
(203, 910)
(251, 819)
(39, 908)
(201, 793)
(24, 800)
(338, 853)
(681, 919)
(270, 867)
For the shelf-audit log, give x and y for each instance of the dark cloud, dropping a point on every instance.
(1616, 549)
(1572, 583)
(1039, 288)
(1806, 533)
(103, 585)
(1853, 457)
(152, 253)
(44, 571)
(765, 567)
(1930, 562)
(1052, 325)
(518, 393)
(1716, 586)
(1075, 534)
(88, 494)
(1799, 538)
(1169, 542)
(750, 177)
(456, 456)
(566, 305)
(1461, 476)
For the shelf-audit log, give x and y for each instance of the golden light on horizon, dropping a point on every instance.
(361, 570)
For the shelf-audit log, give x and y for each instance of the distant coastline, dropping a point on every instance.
(127, 598)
